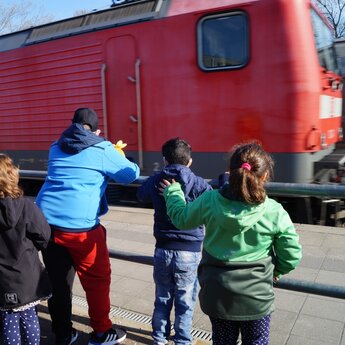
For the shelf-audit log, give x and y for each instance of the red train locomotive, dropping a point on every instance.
(212, 72)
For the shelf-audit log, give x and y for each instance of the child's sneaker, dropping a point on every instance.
(111, 337)
(69, 340)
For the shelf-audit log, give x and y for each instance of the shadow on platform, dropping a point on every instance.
(136, 334)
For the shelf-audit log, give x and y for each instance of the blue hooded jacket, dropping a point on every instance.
(166, 234)
(79, 168)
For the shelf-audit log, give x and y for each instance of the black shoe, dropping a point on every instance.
(68, 340)
(111, 337)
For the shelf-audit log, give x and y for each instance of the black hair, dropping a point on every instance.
(177, 151)
(250, 167)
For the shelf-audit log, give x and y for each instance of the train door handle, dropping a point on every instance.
(133, 118)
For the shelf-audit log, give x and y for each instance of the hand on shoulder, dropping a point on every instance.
(164, 184)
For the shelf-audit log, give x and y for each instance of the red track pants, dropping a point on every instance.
(91, 261)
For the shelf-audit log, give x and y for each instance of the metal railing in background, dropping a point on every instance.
(306, 189)
(333, 291)
(273, 188)
(126, 256)
(33, 174)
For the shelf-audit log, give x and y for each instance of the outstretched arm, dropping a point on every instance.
(184, 216)
(118, 167)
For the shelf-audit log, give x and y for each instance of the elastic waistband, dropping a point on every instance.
(59, 228)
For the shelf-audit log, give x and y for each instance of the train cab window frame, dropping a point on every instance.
(324, 42)
(223, 41)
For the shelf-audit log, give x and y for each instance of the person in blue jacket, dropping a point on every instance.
(72, 198)
(177, 252)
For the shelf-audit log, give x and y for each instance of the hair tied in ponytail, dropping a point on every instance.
(246, 166)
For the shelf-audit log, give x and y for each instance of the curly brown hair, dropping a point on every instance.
(9, 178)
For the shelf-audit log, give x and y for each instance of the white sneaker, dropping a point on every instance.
(111, 337)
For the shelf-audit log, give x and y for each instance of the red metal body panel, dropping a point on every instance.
(275, 98)
(41, 85)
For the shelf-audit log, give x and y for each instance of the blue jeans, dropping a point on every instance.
(175, 276)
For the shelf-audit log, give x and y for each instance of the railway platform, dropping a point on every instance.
(299, 319)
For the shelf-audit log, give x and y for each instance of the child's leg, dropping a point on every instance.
(256, 332)
(11, 327)
(164, 296)
(30, 326)
(186, 291)
(225, 332)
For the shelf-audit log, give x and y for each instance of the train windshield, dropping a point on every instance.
(324, 42)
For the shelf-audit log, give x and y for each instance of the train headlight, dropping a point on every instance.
(334, 84)
(340, 133)
(323, 141)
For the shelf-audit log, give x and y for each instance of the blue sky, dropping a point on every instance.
(60, 9)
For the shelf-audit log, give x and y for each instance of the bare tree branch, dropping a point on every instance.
(334, 11)
(80, 12)
(21, 15)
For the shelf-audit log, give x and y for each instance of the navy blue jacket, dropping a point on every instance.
(166, 234)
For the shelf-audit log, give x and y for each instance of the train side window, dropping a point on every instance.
(223, 41)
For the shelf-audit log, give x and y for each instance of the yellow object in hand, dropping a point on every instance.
(119, 146)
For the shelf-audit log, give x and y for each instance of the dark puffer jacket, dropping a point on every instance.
(23, 232)
(166, 234)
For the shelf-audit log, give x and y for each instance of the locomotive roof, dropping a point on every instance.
(122, 12)
(128, 11)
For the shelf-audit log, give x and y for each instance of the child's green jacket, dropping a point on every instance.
(245, 246)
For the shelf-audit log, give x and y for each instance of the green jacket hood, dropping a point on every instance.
(238, 215)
